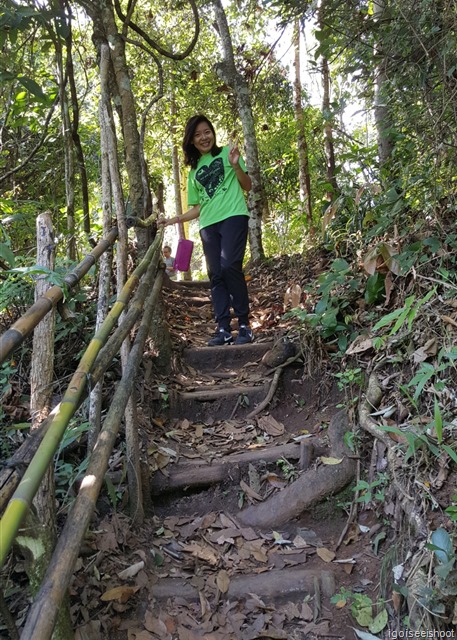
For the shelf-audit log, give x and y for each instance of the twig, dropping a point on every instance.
(352, 511)
(8, 619)
(284, 364)
(271, 391)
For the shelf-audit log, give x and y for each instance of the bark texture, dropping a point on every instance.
(306, 208)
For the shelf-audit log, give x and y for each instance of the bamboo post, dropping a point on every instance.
(42, 615)
(23, 496)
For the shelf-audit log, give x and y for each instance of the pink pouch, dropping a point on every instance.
(183, 255)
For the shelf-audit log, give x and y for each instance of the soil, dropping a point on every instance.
(201, 573)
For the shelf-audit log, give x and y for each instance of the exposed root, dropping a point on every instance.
(311, 487)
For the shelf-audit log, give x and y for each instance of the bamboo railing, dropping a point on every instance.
(22, 498)
(16, 334)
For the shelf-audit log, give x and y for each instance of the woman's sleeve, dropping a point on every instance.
(192, 193)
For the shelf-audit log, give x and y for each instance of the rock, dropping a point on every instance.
(282, 351)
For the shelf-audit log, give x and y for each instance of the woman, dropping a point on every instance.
(215, 193)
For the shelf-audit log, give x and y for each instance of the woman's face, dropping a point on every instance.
(203, 139)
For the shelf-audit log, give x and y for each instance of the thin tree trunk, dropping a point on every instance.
(75, 125)
(69, 161)
(131, 135)
(227, 71)
(382, 116)
(106, 259)
(132, 452)
(38, 536)
(326, 110)
(302, 144)
(177, 176)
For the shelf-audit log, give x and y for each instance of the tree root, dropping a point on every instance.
(313, 485)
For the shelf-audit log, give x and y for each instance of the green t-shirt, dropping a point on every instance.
(214, 186)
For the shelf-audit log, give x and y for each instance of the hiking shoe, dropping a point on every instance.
(221, 337)
(245, 335)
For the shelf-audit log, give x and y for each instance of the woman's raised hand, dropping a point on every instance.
(234, 152)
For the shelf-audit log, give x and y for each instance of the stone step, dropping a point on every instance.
(226, 357)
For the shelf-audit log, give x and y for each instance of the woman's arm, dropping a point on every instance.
(191, 214)
(243, 178)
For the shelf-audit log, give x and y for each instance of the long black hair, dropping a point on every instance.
(191, 153)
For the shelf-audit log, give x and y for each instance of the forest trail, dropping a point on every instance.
(196, 569)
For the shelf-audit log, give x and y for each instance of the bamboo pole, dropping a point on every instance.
(15, 335)
(23, 496)
(12, 472)
(42, 615)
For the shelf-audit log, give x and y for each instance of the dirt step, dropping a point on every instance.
(202, 473)
(216, 404)
(268, 585)
(225, 357)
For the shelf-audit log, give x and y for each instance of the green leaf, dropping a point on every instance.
(33, 87)
(438, 422)
(380, 622)
(443, 547)
(6, 254)
(451, 453)
(363, 635)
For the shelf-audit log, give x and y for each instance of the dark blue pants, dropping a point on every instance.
(224, 244)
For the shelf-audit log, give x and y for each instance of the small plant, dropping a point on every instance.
(346, 381)
(372, 491)
(451, 510)
(362, 609)
(288, 470)
(164, 395)
(348, 378)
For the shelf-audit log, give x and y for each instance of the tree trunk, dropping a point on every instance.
(37, 537)
(75, 125)
(227, 71)
(69, 161)
(106, 259)
(302, 144)
(326, 111)
(381, 94)
(107, 33)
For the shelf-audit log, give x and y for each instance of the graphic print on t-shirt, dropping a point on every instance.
(211, 177)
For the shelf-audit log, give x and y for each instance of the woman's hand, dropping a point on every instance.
(234, 153)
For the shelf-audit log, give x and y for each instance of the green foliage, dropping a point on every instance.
(405, 316)
(372, 491)
(362, 609)
(335, 289)
(451, 510)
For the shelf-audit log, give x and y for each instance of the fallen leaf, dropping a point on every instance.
(131, 571)
(223, 581)
(449, 320)
(122, 593)
(364, 635)
(250, 492)
(325, 554)
(275, 480)
(270, 425)
(331, 461)
(359, 345)
(202, 552)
